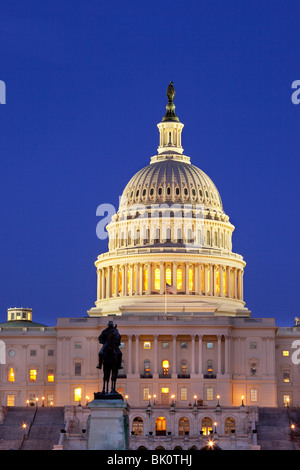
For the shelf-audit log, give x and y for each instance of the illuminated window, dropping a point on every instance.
(128, 280)
(208, 280)
(157, 279)
(11, 375)
(206, 426)
(209, 345)
(191, 279)
(138, 426)
(32, 375)
(165, 366)
(184, 367)
(147, 345)
(50, 375)
(183, 394)
(183, 426)
(253, 395)
(161, 426)
(120, 282)
(229, 425)
(218, 282)
(286, 400)
(168, 276)
(209, 394)
(146, 393)
(286, 353)
(114, 283)
(10, 400)
(145, 279)
(179, 279)
(286, 376)
(77, 394)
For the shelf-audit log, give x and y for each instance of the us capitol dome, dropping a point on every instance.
(170, 242)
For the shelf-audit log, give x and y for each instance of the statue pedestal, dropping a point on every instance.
(107, 427)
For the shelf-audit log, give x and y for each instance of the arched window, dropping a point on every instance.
(183, 426)
(138, 426)
(165, 367)
(138, 237)
(179, 235)
(157, 236)
(179, 279)
(206, 426)
(147, 369)
(216, 239)
(191, 279)
(189, 236)
(208, 237)
(209, 367)
(229, 425)
(161, 426)
(11, 375)
(147, 238)
(157, 279)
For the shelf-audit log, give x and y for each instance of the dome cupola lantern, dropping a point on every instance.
(170, 129)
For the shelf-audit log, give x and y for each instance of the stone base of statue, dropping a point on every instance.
(107, 427)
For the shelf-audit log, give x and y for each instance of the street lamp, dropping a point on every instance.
(218, 408)
(242, 397)
(215, 425)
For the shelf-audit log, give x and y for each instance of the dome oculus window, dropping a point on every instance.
(159, 191)
(177, 191)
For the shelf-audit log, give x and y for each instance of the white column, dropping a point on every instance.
(131, 280)
(136, 278)
(221, 281)
(174, 368)
(149, 278)
(102, 283)
(98, 285)
(125, 279)
(129, 365)
(200, 367)
(193, 355)
(155, 367)
(187, 278)
(226, 354)
(108, 287)
(137, 343)
(219, 354)
(116, 281)
(174, 276)
(162, 277)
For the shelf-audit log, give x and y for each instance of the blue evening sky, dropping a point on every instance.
(85, 89)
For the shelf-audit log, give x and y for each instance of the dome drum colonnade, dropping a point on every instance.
(170, 234)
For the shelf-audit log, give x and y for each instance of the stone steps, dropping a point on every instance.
(273, 429)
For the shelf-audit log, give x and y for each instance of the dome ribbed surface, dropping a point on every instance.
(172, 181)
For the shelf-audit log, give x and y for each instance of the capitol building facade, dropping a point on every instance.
(194, 359)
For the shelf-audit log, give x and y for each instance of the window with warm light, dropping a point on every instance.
(229, 425)
(10, 400)
(77, 394)
(165, 366)
(169, 276)
(202, 280)
(253, 395)
(179, 279)
(138, 426)
(183, 394)
(11, 375)
(120, 282)
(206, 426)
(224, 282)
(157, 279)
(50, 375)
(209, 394)
(191, 279)
(286, 400)
(32, 375)
(286, 376)
(114, 283)
(147, 345)
(286, 353)
(146, 393)
(218, 282)
(161, 426)
(145, 279)
(183, 426)
(128, 280)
